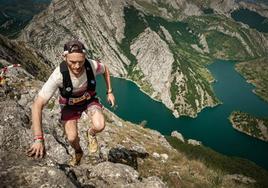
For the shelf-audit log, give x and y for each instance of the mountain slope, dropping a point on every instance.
(15, 15)
(128, 36)
(13, 52)
(129, 156)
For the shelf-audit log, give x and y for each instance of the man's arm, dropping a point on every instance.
(38, 147)
(110, 96)
(37, 108)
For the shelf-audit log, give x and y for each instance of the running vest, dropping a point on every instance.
(67, 90)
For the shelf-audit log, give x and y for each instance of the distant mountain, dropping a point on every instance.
(15, 15)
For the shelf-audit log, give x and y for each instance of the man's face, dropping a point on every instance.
(75, 62)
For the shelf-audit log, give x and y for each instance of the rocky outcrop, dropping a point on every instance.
(177, 135)
(151, 51)
(194, 142)
(224, 7)
(155, 62)
(100, 25)
(13, 52)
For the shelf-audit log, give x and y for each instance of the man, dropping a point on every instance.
(75, 78)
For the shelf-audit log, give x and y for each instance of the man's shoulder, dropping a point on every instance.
(56, 74)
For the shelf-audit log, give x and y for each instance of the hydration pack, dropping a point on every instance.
(67, 90)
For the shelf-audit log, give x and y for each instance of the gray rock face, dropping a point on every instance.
(155, 61)
(108, 174)
(194, 142)
(115, 174)
(53, 170)
(224, 7)
(177, 135)
(14, 52)
(98, 24)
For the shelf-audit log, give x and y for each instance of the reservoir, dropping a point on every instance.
(252, 19)
(211, 126)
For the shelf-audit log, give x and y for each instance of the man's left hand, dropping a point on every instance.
(111, 99)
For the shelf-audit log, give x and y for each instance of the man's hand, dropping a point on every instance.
(37, 150)
(111, 99)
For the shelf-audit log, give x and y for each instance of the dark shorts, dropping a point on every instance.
(74, 112)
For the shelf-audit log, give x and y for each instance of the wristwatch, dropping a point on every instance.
(109, 91)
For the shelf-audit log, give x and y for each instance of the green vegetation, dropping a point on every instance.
(254, 126)
(225, 46)
(256, 72)
(14, 16)
(134, 26)
(225, 38)
(220, 162)
(185, 58)
(208, 11)
(32, 62)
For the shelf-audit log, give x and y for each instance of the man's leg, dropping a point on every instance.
(72, 136)
(97, 117)
(98, 124)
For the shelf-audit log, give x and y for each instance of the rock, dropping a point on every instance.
(126, 156)
(108, 174)
(194, 142)
(177, 135)
(156, 155)
(150, 182)
(34, 176)
(140, 149)
(164, 156)
(175, 173)
(103, 22)
(239, 179)
(161, 138)
(151, 51)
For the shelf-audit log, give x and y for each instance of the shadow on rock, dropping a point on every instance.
(126, 156)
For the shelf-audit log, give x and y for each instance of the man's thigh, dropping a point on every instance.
(95, 112)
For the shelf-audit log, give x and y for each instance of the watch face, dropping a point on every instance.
(92, 81)
(68, 89)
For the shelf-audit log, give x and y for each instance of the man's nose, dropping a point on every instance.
(77, 65)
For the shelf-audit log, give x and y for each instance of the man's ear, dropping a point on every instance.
(64, 57)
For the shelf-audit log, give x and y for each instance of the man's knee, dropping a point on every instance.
(98, 125)
(72, 138)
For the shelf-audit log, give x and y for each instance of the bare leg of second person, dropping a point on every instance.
(72, 136)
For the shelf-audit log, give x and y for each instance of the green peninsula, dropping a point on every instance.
(256, 73)
(250, 125)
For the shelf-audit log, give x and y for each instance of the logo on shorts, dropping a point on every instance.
(68, 89)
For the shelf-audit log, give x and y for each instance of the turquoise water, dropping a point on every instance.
(251, 18)
(211, 126)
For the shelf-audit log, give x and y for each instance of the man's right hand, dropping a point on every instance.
(37, 150)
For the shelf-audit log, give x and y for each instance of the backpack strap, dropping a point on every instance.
(67, 89)
(91, 81)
